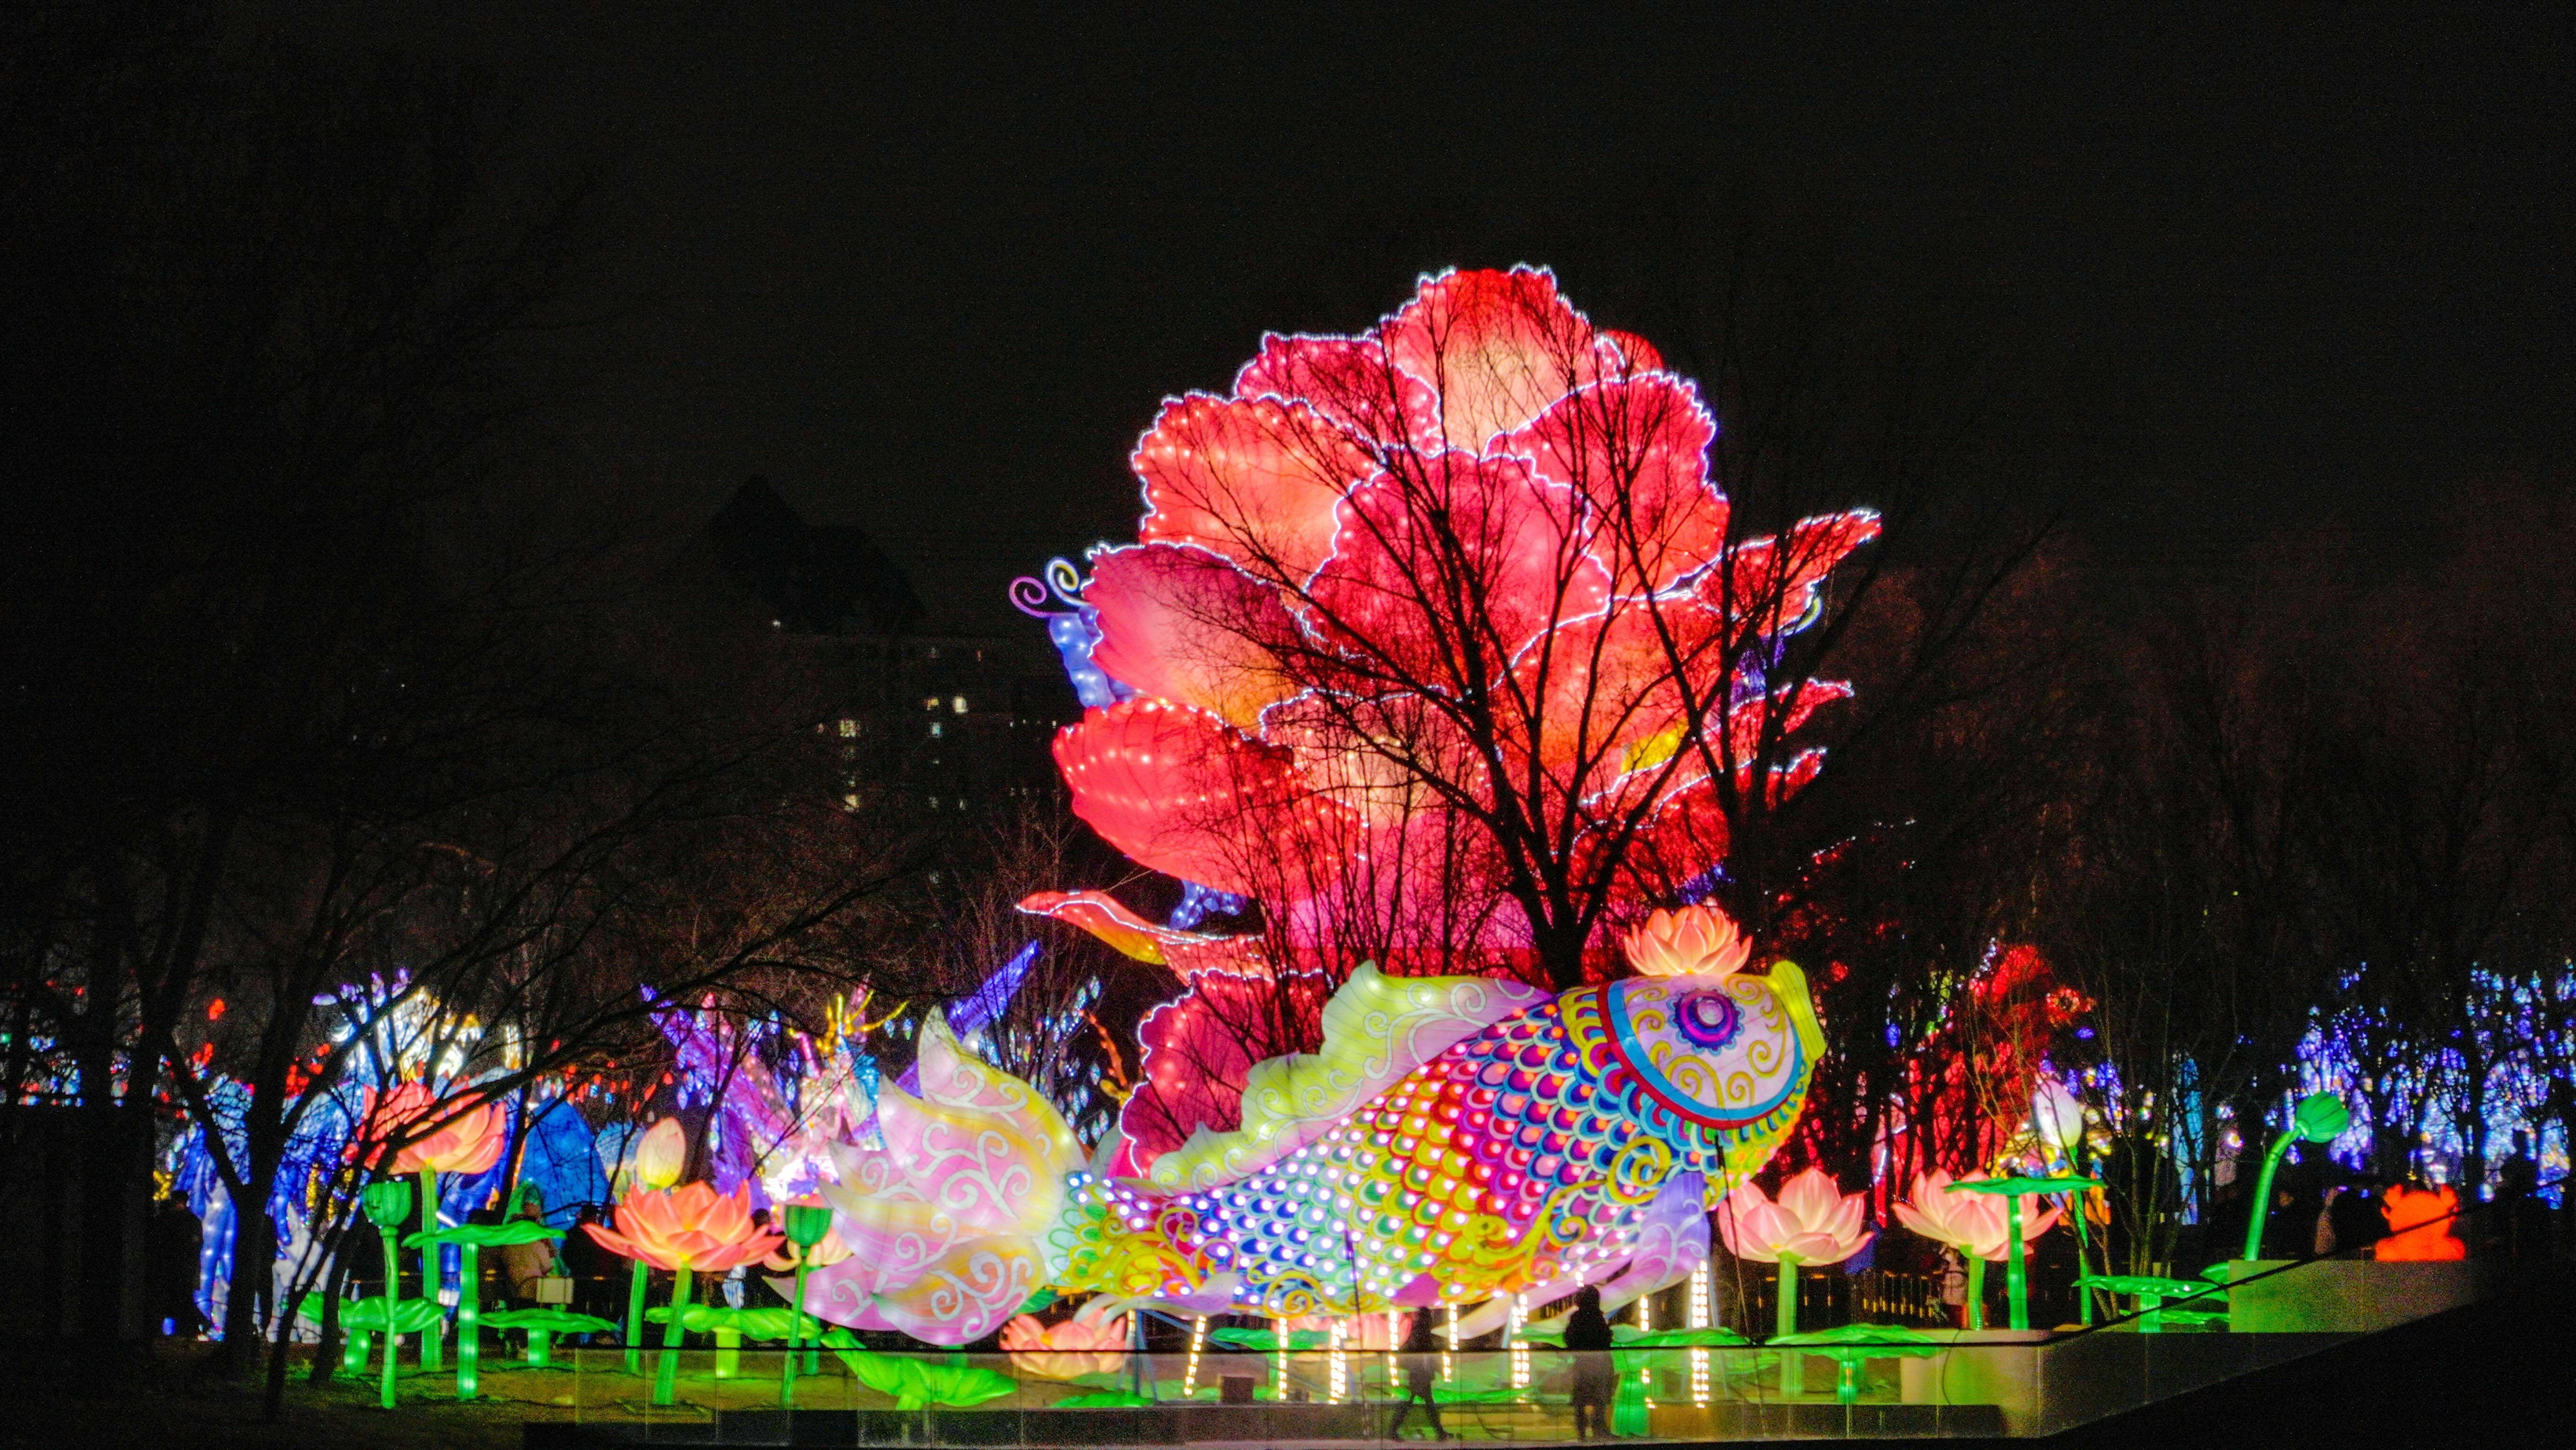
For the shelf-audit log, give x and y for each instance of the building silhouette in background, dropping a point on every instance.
(944, 723)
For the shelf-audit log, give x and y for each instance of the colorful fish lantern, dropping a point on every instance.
(1456, 1139)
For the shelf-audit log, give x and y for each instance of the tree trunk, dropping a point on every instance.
(108, 1188)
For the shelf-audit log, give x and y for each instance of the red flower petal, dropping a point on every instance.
(1187, 627)
(1180, 790)
(1349, 381)
(1636, 450)
(1253, 480)
(1448, 568)
(1498, 348)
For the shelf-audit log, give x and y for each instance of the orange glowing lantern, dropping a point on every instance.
(2419, 1226)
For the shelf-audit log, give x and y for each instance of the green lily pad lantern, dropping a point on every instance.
(2016, 1270)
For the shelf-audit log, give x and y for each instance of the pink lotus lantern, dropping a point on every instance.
(1978, 1225)
(1084, 1344)
(1813, 1223)
(1692, 942)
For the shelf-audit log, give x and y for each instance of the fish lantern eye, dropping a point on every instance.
(1708, 1019)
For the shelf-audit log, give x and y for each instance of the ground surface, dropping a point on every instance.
(2498, 1374)
(170, 1395)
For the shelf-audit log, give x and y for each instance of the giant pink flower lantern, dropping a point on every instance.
(1396, 590)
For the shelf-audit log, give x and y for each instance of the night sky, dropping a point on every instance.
(931, 270)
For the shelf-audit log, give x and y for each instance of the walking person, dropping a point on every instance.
(1587, 1338)
(1420, 1358)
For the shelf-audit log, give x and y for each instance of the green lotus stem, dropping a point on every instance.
(1847, 1381)
(795, 1337)
(469, 1321)
(393, 1298)
(666, 1372)
(353, 1352)
(2083, 1257)
(540, 1348)
(430, 1337)
(2263, 1194)
(1785, 1323)
(1976, 1290)
(2016, 1271)
(728, 1353)
(635, 1318)
(2151, 1318)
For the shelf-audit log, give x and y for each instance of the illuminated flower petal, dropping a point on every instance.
(1636, 449)
(1497, 347)
(1252, 480)
(1479, 542)
(1185, 626)
(1177, 788)
(1348, 380)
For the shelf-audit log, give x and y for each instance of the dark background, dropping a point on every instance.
(932, 270)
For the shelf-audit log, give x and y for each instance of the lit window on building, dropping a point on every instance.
(931, 704)
(849, 729)
(935, 728)
(958, 704)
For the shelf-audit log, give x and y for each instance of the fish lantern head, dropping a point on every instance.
(1715, 1057)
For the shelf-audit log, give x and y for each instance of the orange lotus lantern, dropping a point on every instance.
(2419, 1226)
(687, 1229)
(469, 1141)
(684, 1230)
(1693, 941)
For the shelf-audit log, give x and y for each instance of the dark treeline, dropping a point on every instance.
(339, 727)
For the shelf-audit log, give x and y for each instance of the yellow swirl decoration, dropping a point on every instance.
(1638, 1173)
(1294, 1297)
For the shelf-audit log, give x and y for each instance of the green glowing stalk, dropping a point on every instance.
(2319, 1118)
(469, 1335)
(429, 1338)
(393, 1299)
(2016, 1268)
(635, 1319)
(1976, 1290)
(795, 1336)
(540, 1348)
(2083, 1257)
(666, 1373)
(728, 1353)
(1785, 1324)
(353, 1353)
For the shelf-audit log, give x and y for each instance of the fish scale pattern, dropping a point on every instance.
(1478, 1170)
